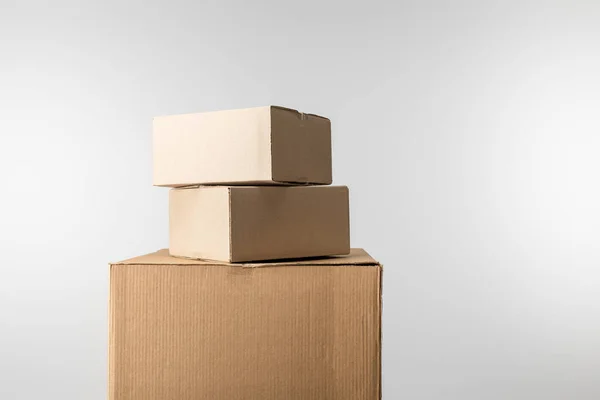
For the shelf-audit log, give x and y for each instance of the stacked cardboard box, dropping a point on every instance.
(259, 295)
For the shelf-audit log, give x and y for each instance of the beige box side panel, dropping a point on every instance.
(301, 147)
(199, 223)
(190, 332)
(289, 222)
(214, 147)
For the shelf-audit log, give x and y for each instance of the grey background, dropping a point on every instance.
(468, 132)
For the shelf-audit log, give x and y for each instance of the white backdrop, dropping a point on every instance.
(468, 132)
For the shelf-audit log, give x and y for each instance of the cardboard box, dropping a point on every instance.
(249, 223)
(263, 145)
(193, 330)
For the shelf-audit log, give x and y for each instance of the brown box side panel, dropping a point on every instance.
(289, 222)
(300, 147)
(191, 332)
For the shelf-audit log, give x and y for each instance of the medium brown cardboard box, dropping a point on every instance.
(249, 223)
(263, 145)
(193, 330)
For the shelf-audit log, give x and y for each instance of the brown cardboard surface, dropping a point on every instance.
(262, 145)
(162, 257)
(189, 330)
(300, 146)
(262, 222)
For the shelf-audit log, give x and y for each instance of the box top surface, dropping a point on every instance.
(302, 114)
(162, 257)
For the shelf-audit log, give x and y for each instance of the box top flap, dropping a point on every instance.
(162, 257)
(300, 114)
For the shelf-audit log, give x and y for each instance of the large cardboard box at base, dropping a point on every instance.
(195, 330)
(250, 223)
(262, 145)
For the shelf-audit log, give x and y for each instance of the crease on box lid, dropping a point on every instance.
(162, 257)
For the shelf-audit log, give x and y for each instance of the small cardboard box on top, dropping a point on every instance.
(189, 329)
(262, 145)
(253, 223)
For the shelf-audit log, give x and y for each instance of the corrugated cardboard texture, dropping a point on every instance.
(264, 222)
(262, 145)
(223, 332)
